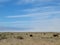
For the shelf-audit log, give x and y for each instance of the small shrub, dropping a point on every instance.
(19, 37)
(44, 33)
(11, 44)
(31, 35)
(26, 33)
(12, 33)
(55, 35)
(0, 35)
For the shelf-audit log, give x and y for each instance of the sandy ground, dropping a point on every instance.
(30, 38)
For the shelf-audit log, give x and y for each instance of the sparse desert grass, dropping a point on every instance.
(29, 38)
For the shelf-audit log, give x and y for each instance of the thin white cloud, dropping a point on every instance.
(18, 16)
(18, 24)
(40, 9)
(31, 1)
(14, 22)
(35, 14)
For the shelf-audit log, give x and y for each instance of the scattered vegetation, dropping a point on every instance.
(19, 37)
(35, 38)
(3, 36)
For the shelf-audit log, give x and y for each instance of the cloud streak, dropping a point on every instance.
(31, 1)
(43, 14)
(38, 11)
(35, 2)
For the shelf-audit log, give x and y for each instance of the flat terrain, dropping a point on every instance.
(29, 38)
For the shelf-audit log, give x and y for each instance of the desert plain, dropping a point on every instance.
(29, 38)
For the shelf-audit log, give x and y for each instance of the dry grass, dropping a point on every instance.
(29, 38)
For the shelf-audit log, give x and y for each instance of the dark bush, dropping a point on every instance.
(55, 35)
(0, 35)
(44, 33)
(31, 35)
(11, 33)
(19, 37)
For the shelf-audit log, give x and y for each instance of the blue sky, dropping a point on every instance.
(30, 15)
